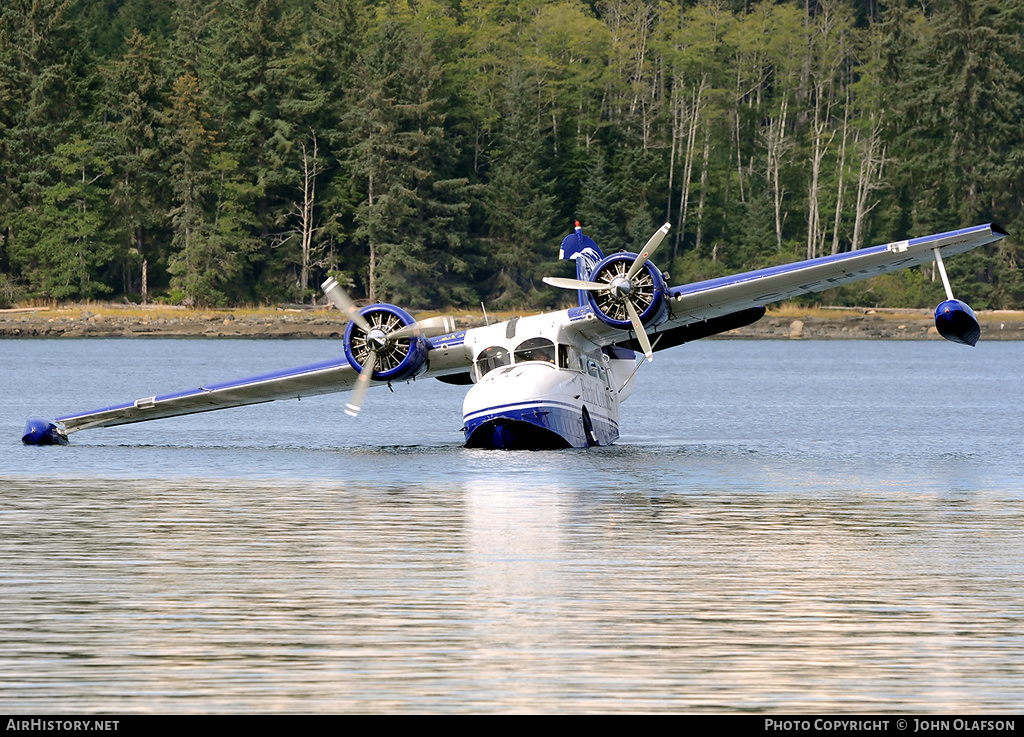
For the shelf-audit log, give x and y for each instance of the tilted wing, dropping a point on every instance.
(661, 317)
(303, 381)
(730, 294)
(714, 306)
(446, 356)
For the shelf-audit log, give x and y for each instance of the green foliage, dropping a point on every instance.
(10, 292)
(520, 205)
(412, 216)
(456, 142)
(62, 242)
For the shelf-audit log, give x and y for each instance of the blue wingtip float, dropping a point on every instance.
(956, 322)
(554, 380)
(41, 432)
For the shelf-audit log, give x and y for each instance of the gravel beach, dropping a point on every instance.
(120, 321)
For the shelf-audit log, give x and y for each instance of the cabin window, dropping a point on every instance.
(491, 358)
(536, 349)
(563, 356)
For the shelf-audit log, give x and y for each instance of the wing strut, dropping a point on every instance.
(942, 273)
(640, 363)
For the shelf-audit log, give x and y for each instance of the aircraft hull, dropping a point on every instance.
(506, 433)
(539, 407)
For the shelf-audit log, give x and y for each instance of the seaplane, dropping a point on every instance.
(553, 380)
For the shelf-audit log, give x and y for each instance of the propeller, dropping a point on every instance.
(381, 338)
(621, 286)
(651, 247)
(341, 300)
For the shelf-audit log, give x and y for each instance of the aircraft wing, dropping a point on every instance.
(446, 355)
(730, 294)
(304, 381)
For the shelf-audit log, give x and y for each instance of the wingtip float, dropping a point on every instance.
(554, 380)
(43, 432)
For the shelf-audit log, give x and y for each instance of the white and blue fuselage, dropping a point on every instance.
(539, 385)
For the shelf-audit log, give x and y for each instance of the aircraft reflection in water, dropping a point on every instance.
(554, 380)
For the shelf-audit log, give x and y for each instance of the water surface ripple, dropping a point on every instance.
(784, 527)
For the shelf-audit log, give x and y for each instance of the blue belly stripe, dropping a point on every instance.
(561, 418)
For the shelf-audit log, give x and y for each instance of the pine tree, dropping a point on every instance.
(520, 204)
(600, 205)
(69, 239)
(46, 95)
(959, 98)
(202, 261)
(134, 102)
(412, 217)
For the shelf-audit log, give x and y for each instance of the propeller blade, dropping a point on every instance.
(590, 286)
(337, 296)
(641, 334)
(362, 384)
(651, 247)
(428, 328)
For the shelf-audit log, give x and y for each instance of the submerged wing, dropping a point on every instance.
(446, 356)
(303, 381)
(730, 294)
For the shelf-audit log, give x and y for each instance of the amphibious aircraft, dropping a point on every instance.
(553, 380)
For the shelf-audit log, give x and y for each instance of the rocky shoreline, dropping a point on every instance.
(125, 321)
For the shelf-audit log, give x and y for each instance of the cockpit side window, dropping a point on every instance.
(563, 356)
(491, 358)
(536, 349)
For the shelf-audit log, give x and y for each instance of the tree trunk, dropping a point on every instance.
(691, 147)
(307, 223)
(842, 171)
(703, 185)
(372, 282)
(819, 147)
(868, 180)
(776, 144)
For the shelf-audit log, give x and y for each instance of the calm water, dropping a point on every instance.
(783, 527)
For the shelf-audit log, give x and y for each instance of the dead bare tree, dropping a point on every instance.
(776, 147)
(840, 187)
(869, 178)
(305, 209)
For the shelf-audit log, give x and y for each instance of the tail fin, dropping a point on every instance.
(585, 253)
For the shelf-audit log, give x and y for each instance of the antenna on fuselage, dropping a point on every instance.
(486, 319)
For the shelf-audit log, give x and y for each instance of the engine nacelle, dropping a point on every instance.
(399, 359)
(955, 321)
(649, 295)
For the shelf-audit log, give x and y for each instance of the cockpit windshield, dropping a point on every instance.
(536, 349)
(532, 349)
(491, 358)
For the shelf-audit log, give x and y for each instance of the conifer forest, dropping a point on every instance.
(433, 153)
